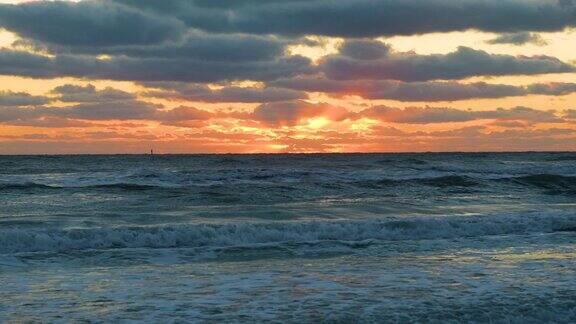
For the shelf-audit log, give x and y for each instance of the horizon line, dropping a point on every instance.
(291, 153)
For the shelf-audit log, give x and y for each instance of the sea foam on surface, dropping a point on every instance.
(251, 233)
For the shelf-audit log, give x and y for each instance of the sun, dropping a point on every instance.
(317, 123)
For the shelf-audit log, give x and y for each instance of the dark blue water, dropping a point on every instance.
(260, 237)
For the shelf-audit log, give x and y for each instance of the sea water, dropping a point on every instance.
(487, 237)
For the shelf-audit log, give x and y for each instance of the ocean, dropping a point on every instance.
(321, 238)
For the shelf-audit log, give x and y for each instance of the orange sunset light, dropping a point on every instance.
(188, 89)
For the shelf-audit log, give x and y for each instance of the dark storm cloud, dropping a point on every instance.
(106, 104)
(464, 62)
(11, 114)
(21, 63)
(554, 88)
(195, 45)
(441, 91)
(100, 105)
(366, 18)
(216, 41)
(364, 49)
(125, 22)
(420, 91)
(88, 93)
(317, 84)
(123, 110)
(402, 91)
(519, 38)
(91, 23)
(199, 92)
(12, 99)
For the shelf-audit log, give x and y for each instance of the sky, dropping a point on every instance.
(287, 76)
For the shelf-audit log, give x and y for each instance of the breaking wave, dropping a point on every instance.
(250, 234)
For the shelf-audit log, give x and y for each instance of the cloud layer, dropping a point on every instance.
(463, 63)
(366, 18)
(287, 75)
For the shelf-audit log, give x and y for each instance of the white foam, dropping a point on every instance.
(227, 235)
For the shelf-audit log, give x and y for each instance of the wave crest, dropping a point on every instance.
(246, 234)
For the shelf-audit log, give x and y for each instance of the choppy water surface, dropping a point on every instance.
(289, 238)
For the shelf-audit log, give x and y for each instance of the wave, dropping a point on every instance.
(546, 181)
(435, 181)
(23, 186)
(253, 234)
(33, 185)
(162, 179)
(562, 158)
(541, 181)
(450, 181)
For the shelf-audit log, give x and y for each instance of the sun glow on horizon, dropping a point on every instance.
(181, 88)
